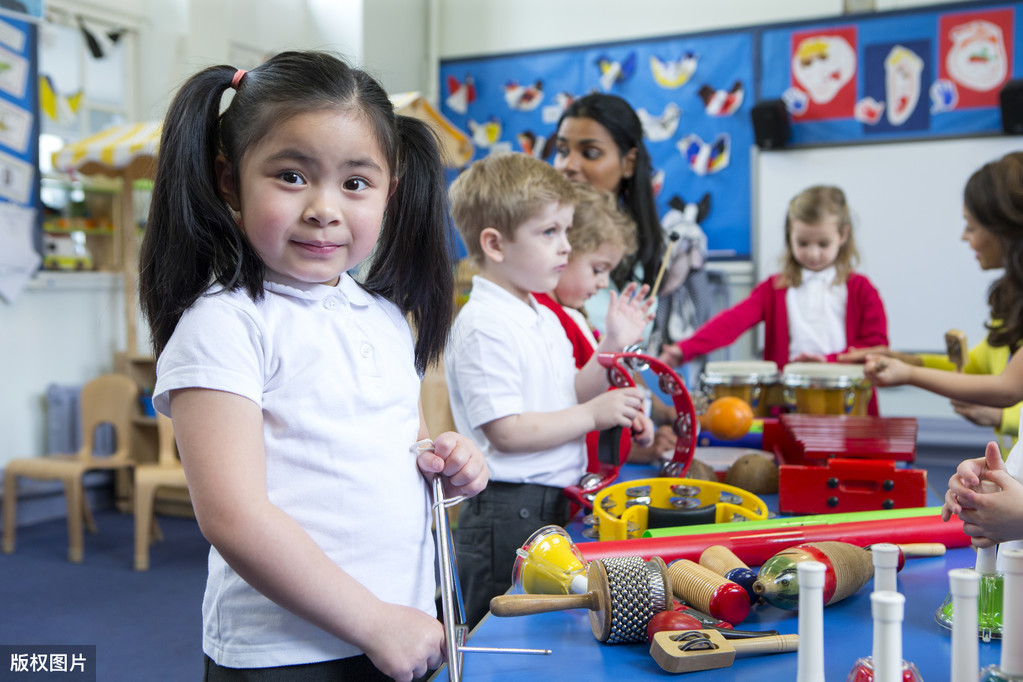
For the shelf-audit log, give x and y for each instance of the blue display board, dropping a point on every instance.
(692, 92)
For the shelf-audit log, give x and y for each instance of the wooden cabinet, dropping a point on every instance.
(175, 502)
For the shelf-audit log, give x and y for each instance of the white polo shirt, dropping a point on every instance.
(816, 313)
(507, 357)
(332, 369)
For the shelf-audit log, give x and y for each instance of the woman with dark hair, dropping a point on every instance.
(599, 142)
(993, 211)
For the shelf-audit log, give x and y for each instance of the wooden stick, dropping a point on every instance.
(672, 240)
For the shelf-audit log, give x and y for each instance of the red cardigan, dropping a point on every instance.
(865, 322)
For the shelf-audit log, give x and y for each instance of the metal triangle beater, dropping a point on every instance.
(452, 608)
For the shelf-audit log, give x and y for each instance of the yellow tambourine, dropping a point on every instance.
(626, 510)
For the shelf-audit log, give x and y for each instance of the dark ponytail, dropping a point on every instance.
(413, 263)
(191, 238)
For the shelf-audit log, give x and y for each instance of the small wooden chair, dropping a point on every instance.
(107, 399)
(166, 472)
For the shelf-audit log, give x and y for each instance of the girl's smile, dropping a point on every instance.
(311, 194)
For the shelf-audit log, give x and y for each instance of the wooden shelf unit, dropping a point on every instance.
(173, 502)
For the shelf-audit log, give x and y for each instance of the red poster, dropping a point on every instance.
(823, 68)
(975, 50)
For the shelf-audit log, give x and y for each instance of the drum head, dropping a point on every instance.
(823, 375)
(745, 373)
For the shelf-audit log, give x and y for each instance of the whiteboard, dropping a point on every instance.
(906, 204)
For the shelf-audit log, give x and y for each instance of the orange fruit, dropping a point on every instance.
(727, 418)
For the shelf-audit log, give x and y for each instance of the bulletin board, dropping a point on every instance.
(693, 94)
(893, 76)
(867, 78)
(19, 151)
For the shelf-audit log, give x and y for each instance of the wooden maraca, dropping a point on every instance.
(848, 569)
(623, 595)
(708, 591)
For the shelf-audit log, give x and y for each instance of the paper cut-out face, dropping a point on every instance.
(822, 65)
(977, 58)
(902, 69)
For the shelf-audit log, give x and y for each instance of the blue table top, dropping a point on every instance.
(848, 632)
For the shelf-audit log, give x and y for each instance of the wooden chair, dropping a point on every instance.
(166, 472)
(109, 398)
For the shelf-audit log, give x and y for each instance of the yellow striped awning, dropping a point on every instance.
(130, 150)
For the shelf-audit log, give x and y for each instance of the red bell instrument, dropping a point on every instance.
(849, 485)
(840, 463)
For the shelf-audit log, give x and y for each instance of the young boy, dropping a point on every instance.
(512, 381)
(601, 235)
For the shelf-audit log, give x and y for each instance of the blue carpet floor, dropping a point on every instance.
(145, 625)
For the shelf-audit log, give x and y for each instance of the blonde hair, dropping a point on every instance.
(599, 221)
(503, 191)
(812, 206)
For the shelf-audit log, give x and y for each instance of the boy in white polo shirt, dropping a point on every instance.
(512, 381)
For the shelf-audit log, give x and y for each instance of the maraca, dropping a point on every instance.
(624, 594)
(848, 569)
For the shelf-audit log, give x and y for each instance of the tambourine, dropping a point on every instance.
(684, 426)
(626, 510)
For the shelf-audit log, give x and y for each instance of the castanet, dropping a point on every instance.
(684, 651)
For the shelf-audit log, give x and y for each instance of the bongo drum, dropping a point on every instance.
(825, 388)
(749, 380)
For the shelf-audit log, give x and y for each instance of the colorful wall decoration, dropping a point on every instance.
(895, 76)
(859, 79)
(692, 94)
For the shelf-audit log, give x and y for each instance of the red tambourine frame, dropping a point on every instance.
(619, 374)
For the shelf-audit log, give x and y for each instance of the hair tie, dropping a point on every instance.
(237, 78)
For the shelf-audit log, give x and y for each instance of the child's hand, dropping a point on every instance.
(885, 371)
(643, 431)
(860, 354)
(615, 408)
(671, 355)
(403, 642)
(981, 415)
(627, 317)
(987, 499)
(665, 439)
(460, 462)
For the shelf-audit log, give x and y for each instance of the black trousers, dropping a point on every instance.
(354, 668)
(491, 526)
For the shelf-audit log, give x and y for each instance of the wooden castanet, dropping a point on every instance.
(623, 594)
(684, 651)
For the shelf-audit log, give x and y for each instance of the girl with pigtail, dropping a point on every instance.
(293, 387)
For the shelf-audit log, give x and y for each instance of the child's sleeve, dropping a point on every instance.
(487, 381)
(728, 325)
(866, 322)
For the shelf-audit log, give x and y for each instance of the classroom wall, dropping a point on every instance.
(66, 328)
